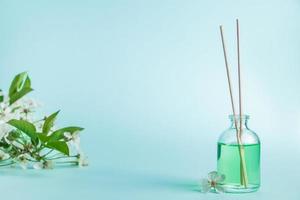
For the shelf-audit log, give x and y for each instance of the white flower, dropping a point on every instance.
(27, 104)
(39, 125)
(6, 114)
(38, 165)
(25, 107)
(17, 144)
(5, 111)
(82, 160)
(48, 164)
(22, 161)
(5, 129)
(74, 139)
(3, 155)
(212, 183)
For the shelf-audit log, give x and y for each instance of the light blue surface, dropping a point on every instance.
(147, 80)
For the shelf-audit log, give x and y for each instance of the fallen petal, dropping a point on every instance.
(204, 185)
(220, 178)
(219, 189)
(212, 176)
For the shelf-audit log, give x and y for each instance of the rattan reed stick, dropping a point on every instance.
(241, 151)
(243, 162)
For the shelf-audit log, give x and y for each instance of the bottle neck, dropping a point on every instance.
(237, 121)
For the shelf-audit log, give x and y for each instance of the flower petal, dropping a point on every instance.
(23, 165)
(212, 176)
(220, 178)
(18, 145)
(48, 164)
(82, 160)
(219, 189)
(38, 165)
(204, 185)
(76, 142)
(68, 135)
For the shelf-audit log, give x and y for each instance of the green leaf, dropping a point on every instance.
(17, 83)
(24, 126)
(14, 134)
(16, 96)
(49, 122)
(59, 134)
(5, 145)
(27, 82)
(59, 146)
(56, 135)
(71, 129)
(43, 138)
(1, 96)
(20, 86)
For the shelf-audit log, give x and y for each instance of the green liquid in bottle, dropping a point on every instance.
(229, 165)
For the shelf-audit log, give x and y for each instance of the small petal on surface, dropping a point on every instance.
(220, 178)
(219, 189)
(212, 176)
(204, 185)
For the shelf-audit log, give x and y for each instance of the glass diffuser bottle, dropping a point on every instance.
(239, 157)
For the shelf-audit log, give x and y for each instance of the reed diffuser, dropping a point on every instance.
(238, 146)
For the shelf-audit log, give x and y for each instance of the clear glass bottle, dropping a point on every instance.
(239, 159)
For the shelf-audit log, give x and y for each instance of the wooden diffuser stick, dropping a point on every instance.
(228, 78)
(241, 150)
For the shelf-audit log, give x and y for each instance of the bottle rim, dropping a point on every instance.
(237, 117)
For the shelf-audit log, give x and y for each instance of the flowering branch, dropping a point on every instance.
(27, 142)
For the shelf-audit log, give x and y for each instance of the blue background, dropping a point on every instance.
(147, 81)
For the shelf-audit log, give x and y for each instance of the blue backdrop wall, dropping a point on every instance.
(147, 81)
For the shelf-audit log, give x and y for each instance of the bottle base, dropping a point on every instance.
(229, 188)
